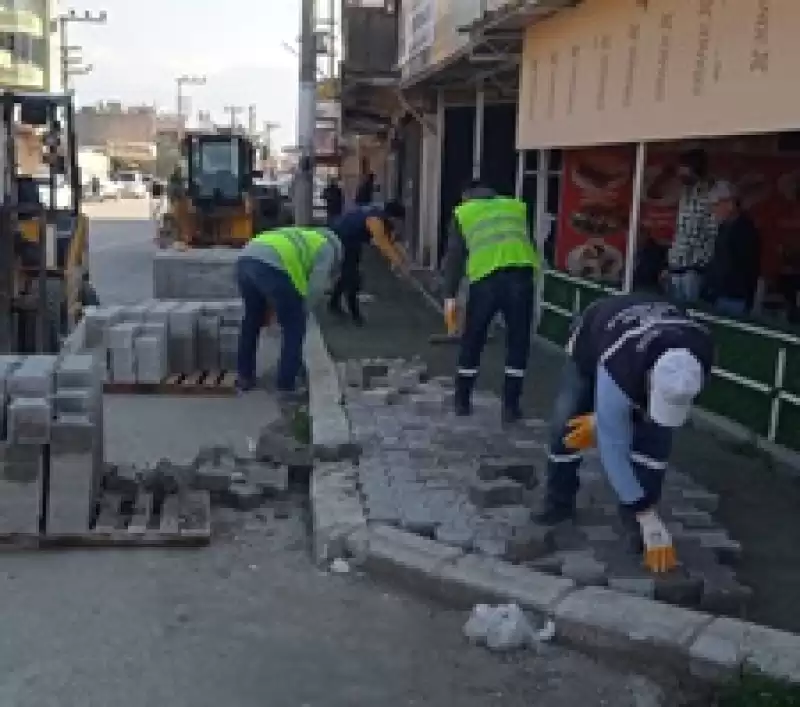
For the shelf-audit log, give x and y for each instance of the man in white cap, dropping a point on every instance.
(636, 364)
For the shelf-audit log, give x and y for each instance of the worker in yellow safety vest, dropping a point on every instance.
(280, 272)
(489, 241)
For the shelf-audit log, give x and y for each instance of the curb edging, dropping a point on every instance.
(711, 650)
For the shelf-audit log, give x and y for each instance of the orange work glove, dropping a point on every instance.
(451, 316)
(581, 433)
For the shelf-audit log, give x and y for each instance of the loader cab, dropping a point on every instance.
(219, 169)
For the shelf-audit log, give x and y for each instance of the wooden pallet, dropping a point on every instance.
(202, 383)
(143, 521)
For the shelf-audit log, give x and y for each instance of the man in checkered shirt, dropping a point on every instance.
(695, 229)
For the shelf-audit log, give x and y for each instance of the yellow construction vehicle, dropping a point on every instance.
(209, 200)
(44, 278)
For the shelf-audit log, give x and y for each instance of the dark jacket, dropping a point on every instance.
(366, 191)
(734, 270)
(628, 333)
(351, 228)
(333, 197)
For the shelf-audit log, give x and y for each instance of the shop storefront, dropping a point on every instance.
(612, 92)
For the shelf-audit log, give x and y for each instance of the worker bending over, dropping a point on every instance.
(278, 272)
(354, 228)
(636, 364)
(489, 241)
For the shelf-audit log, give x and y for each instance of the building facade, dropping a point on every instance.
(581, 108)
(26, 46)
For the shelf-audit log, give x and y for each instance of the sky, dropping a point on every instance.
(236, 44)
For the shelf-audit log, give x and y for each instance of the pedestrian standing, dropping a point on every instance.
(490, 243)
(636, 364)
(695, 229)
(333, 196)
(284, 271)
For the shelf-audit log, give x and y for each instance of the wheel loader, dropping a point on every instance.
(44, 276)
(211, 199)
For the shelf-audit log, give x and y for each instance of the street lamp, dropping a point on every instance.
(180, 82)
(74, 17)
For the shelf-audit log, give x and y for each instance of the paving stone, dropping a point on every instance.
(680, 588)
(77, 371)
(29, 421)
(20, 494)
(548, 563)
(490, 545)
(383, 512)
(491, 494)
(584, 570)
(152, 359)
(518, 470)
(692, 518)
(728, 551)
(34, 378)
(704, 500)
(272, 479)
(73, 402)
(459, 535)
(244, 497)
(427, 403)
(641, 586)
(370, 370)
(379, 396)
(600, 533)
(529, 542)
(214, 477)
(722, 593)
(419, 519)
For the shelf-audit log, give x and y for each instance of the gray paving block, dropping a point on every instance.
(74, 401)
(136, 313)
(722, 593)
(456, 534)
(492, 494)
(123, 364)
(20, 505)
(152, 359)
(208, 343)
(34, 378)
(73, 486)
(215, 477)
(75, 432)
(228, 347)
(704, 500)
(98, 320)
(79, 371)
(641, 586)
(244, 496)
(692, 518)
(680, 588)
(121, 336)
(29, 421)
(727, 550)
(584, 570)
(529, 542)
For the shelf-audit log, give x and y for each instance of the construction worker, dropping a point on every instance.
(280, 271)
(354, 228)
(636, 364)
(489, 240)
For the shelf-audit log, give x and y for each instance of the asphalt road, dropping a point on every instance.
(248, 621)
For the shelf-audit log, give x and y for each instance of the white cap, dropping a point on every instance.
(675, 381)
(722, 191)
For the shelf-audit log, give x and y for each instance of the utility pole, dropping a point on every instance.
(233, 113)
(180, 82)
(252, 124)
(66, 63)
(306, 117)
(268, 128)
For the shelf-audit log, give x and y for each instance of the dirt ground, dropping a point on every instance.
(759, 502)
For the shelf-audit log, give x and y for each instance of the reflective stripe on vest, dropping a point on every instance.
(297, 248)
(496, 235)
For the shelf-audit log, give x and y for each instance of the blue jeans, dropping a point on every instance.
(685, 287)
(730, 306)
(649, 451)
(262, 286)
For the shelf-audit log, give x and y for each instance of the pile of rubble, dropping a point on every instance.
(52, 419)
(471, 483)
(146, 343)
(243, 483)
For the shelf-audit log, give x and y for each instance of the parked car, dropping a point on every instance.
(132, 185)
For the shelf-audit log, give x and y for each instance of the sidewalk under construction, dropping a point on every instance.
(757, 502)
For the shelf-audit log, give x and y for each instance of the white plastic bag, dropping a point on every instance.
(477, 625)
(509, 629)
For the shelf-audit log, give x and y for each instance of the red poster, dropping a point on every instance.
(596, 200)
(595, 208)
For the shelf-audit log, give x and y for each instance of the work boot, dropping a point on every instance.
(462, 399)
(512, 392)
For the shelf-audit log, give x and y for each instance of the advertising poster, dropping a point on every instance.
(595, 208)
(596, 201)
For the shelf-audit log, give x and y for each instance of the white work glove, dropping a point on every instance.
(659, 552)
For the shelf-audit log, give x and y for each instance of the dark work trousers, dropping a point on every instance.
(349, 282)
(650, 448)
(262, 286)
(510, 292)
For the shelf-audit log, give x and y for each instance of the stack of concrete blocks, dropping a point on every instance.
(200, 275)
(76, 444)
(22, 448)
(52, 411)
(146, 343)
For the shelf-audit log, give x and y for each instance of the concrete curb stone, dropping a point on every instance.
(592, 619)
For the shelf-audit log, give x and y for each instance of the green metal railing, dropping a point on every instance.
(756, 379)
